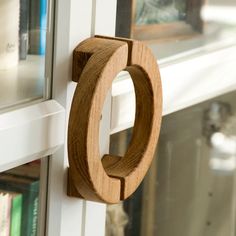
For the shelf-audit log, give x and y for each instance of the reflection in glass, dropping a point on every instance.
(159, 11)
(23, 50)
(190, 189)
(178, 28)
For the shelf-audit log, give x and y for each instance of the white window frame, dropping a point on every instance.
(76, 20)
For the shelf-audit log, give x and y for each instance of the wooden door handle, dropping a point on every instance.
(96, 62)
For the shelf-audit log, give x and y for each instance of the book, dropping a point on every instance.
(43, 26)
(30, 191)
(14, 210)
(1, 211)
(34, 26)
(37, 27)
(16, 213)
(24, 29)
(5, 206)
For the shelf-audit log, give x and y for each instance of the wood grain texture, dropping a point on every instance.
(96, 63)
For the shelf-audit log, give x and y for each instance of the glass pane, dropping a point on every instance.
(21, 202)
(172, 27)
(25, 50)
(190, 189)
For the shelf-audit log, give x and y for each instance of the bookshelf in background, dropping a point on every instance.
(19, 200)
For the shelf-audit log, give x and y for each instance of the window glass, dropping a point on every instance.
(25, 50)
(177, 27)
(189, 189)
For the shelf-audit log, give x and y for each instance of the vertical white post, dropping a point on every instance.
(75, 21)
(72, 25)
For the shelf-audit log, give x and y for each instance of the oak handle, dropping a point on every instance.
(96, 62)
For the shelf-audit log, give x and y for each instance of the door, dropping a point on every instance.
(37, 128)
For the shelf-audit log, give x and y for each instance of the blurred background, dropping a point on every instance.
(190, 189)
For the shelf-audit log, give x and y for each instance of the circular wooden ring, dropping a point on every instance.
(96, 63)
